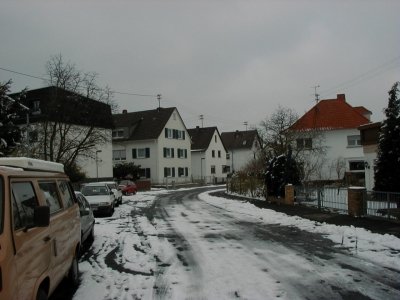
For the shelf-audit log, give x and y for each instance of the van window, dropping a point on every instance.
(49, 190)
(66, 193)
(24, 202)
(1, 204)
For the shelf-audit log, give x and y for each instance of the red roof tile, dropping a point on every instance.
(332, 114)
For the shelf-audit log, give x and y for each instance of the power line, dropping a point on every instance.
(46, 79)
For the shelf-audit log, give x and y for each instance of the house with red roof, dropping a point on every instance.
(336, 123)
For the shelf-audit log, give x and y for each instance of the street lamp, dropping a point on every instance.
(97, 165)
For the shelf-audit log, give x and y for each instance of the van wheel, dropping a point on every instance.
(41, 294)
(73, 274)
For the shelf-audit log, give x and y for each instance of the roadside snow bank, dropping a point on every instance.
(382, 249)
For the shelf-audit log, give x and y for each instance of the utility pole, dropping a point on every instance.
(245, 124)
(201, 119)
(316, 95)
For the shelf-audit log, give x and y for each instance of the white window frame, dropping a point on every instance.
(353, 141)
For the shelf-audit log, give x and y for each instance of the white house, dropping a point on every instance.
(242, 147)
(60, 119)
(208, 155)
(157, 141)
(336, 124)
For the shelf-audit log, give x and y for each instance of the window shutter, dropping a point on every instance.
(183, 134)
(172, 153)
(134, 153)
(147, 152)
(173, 172)
(165, 172)
(166, 132)
(185, 153)
(186, 172)
(165, 152)
(148, 173)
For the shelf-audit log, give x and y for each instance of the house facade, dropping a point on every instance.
(242, 147)
(208, 155)
(332, 126)
(61, 121)
(157, 141)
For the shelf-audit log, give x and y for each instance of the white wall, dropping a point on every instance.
(336, 143)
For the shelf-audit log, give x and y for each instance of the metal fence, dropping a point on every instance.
(383, 204)
(331, 198)
(376, 204)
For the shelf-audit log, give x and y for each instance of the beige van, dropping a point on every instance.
(39, 229)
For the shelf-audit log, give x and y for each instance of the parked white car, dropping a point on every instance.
(116, 190)
(100, 197)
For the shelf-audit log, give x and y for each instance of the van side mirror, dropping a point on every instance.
(41, 216)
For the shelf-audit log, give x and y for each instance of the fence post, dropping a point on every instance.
(319, 198)
(355, 201)
(289, 194)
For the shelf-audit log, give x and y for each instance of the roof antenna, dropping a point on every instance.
(316, 95)
(201, 119)
(159, 99)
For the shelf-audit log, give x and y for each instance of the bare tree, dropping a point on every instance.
(307, 146)
(62, 140)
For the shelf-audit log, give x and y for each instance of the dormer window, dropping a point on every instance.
(118, 133)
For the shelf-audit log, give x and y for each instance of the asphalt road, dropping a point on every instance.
(235, 256)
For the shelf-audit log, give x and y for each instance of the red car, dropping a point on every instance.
(128, 187)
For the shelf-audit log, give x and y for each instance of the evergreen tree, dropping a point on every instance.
(281, 170)
(387, 175)
(10, 112)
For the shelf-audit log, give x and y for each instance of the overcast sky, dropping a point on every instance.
(231, 61)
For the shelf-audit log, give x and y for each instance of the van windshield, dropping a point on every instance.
(1, 204)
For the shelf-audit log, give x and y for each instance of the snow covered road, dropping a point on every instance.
(187, 244)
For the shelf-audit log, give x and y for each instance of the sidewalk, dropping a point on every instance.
(374, 225)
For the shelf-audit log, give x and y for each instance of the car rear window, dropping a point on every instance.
(95, 190)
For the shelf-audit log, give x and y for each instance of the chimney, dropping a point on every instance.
(124, 111)
(341, 97)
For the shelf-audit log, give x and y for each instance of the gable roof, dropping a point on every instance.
(239, 139)
(332, 114)
(201, 137)
(57, 104)
(144, 125)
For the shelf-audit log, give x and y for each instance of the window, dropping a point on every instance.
(118, 133)
(212, 169)
(24, 203)
(181, 172)
(182, 153)
(36, 107)
(219, 153)
(66, 193)
(169, 152)
(226, 169)
(174, 134)
(49, 190)
(353, 141)
(304, 143)
(356, 165)
(119, 154)
(168, 133)
(169, 172)
(228, 156)
(144, 173)
(213, 153)
(141, 153)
